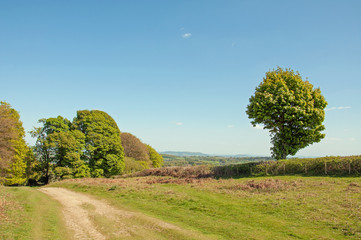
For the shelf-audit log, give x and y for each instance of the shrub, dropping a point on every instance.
(131, 165)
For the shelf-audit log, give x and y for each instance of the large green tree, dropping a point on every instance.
(70, 146)
(103, 148)
(14, 152)
(45, 149)
(59, 148)
(291, 109)
(134, 148)
(139, 156)
(7, 136)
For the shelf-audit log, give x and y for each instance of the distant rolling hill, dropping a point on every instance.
(184, 154)
(197, 154)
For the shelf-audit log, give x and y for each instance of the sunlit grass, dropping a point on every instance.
(253, 208)
(30, 214)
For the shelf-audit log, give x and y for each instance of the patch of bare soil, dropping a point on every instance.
(79, 218)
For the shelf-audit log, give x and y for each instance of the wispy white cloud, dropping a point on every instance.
(179, 123)
(233, 44)
(337, 108)
(186, 35)
(181, 29)
(230, 126)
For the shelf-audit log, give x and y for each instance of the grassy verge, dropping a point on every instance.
(253, 208)
(26, 213)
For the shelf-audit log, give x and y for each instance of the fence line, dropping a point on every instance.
(329, 166)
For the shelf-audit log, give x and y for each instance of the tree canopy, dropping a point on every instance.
(56, 147)
(14, 152)
(134, 148)
(291, 109)
(7, 135)
(88, 146)
(103, 148)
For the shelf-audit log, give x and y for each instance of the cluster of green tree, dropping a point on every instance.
(89, 146)
(172, 160)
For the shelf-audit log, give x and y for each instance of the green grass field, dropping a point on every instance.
(26, 213)
(248, 208)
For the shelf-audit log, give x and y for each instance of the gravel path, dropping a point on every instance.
(79, 209)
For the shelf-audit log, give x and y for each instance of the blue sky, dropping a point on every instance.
(178, 74)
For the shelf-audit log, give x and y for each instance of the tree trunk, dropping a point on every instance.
(47, 167)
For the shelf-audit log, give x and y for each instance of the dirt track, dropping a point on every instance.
(81, 212)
